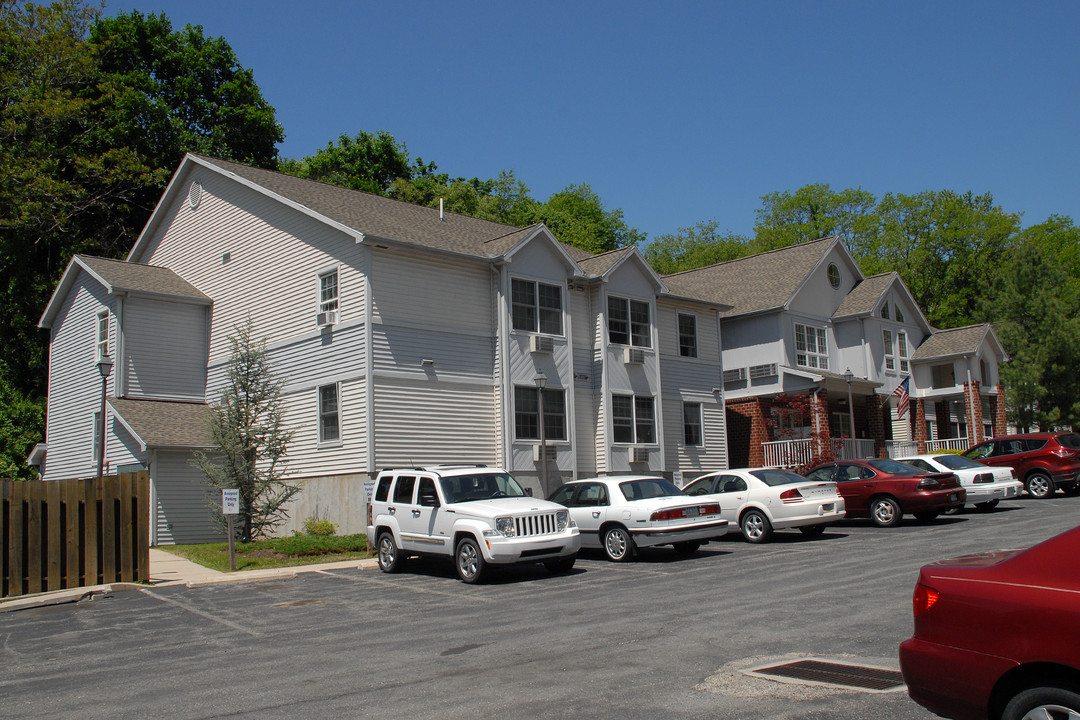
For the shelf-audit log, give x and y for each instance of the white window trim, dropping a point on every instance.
(903, 352)
(678, 333)
(634, 421)
(336, 442)
(700, 425)
(320, 305)
(536, 283)
(820, 354)
(629, 320)
(102, 341)
(888, 341)
(548, 440)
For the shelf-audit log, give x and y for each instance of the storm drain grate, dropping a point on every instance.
(837, 674)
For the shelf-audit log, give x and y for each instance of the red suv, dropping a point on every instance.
(1042, 461)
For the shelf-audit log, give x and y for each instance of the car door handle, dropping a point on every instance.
(416, 513)
(391, 509)
(596, 513)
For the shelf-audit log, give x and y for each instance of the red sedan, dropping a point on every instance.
(884, 490)
(997, 635)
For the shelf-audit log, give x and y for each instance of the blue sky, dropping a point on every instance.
(680, 112)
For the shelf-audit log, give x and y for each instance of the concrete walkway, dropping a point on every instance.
(168, 569)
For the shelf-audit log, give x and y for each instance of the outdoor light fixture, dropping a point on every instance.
(104, 366)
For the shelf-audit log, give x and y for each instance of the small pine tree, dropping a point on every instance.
(249, 440)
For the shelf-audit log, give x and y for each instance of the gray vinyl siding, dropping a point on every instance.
(433, 422)
(349, 455)
(275, 255)
(432, 294)
(165, 350)
(182, 501)
(398, 351)
(588, 379)
(694, 460)
(74, 381)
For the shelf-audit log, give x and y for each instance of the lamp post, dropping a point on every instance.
(848, 377)
(104, 366)
(541, 381)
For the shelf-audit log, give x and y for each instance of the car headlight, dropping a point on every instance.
(505, 525)
(562, 519)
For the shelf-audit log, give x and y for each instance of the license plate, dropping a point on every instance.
(829, 507)
(952, 497)
(691, 512)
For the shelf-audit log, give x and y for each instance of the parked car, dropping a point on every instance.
(762, 500)
(620, 514)
(1042, 461)
(1028, 666)
(985, 486)
(478, 516)
(884, 490)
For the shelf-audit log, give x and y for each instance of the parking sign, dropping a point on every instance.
(230, 502)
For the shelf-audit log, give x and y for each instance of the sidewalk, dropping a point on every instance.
(168, 569)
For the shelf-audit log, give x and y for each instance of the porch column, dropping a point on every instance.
(997, 406)
(747, 430)
(759, 434)
(875, 419)
(920, 425)
(973, 412)
(819, 425)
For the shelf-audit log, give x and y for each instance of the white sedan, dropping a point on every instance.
(986, 486)
(621, 513)
(763, 500)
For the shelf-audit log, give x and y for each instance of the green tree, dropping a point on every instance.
(22, 425)
(366, 161)
(250, 440)
(695, 247)
(812, 212)
(578, 217)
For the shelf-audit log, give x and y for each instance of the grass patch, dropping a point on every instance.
(275, 552)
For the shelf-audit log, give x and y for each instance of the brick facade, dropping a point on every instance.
(973, 409)
(875, 421)
(747, 430)
(997, 407)
(920, 425)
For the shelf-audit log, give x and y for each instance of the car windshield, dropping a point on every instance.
(892, 467)
(481, 486)
(772, 478)
(648, 488)
(956, 462)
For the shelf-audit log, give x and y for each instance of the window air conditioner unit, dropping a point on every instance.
(326, 318)
(540, 450)
(541, 344)
(640, 455)
(635, 356)
(734, 375)
(762, 371)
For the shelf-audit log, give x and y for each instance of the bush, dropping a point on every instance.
(305, 545)
(321, 528)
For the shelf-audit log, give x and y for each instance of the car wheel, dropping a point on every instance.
(687, 548)
(469, 561)
(618, 545)
(885, 512)
(1049, 703)
(926, 516)
(756, 528)
(561, 565)
(987, 506)
(1040, 485)
(813, 530)
(390, 558)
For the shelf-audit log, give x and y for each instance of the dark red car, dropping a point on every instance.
(1042, 461)
(997, 635)
(884, 490)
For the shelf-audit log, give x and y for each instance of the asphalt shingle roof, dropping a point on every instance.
(952, 342)
(163, 424)
(765, 281)
(864, 296)
(133, 277)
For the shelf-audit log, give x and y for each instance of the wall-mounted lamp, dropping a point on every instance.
(427, 362)
(715, 391)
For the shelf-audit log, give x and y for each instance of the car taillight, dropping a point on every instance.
(791, 496)
(1062, 452)
(984, 478)
(680, 513)
(928, 483)
(923, 599)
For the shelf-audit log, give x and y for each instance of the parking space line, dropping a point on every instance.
(200, 613)
(403, 586)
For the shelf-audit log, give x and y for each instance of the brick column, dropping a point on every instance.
(920, 425)
(875, 420)
(745, 444)
(997, 406)
(819, 424)
(973, 412)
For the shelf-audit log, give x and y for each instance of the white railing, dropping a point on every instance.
(902, 448)
(787, 453)
(950, 444)
(852, 449)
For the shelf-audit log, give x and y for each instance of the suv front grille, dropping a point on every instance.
(536, 525)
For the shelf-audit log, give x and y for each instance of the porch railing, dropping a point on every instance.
(902, 448)
(852, 449)
(793, 453)
(949, 444)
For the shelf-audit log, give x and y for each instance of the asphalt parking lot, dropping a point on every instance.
(664, 637)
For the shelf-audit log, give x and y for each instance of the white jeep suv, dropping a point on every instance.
(476, 514)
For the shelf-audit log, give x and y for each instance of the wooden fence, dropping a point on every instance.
(74, 533)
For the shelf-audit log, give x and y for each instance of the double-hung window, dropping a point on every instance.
(328, 291)
(811, 347)
(687, 335)
(102, 334)
(329, 414)
(692, 424)
(890, 351)
(527, 413)
(536, 306)
(902, 349)
(628, 322)
(633, 419)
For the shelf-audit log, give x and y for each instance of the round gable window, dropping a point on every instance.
(834, 275)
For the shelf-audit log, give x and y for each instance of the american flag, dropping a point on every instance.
(901, 392)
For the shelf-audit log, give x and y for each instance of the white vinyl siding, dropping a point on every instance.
(165, 350)
(183, 497)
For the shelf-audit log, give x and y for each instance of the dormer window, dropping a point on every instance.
(628, 322)
(899, 314)
(885, 311)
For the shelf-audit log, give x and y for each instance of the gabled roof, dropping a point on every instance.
(757, 283)
(958, 342)
(119, 277)
(354, 212)
(866, 298)
(160, 424)
(604, 264)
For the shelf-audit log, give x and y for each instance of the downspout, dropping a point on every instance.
(369, 363)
